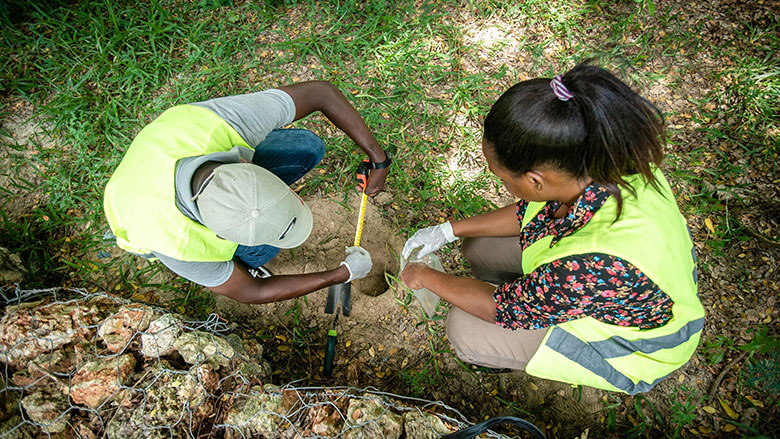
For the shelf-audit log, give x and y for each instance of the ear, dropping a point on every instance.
(536, 179)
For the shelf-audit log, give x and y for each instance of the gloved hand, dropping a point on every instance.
(430, 238)
(358, 262)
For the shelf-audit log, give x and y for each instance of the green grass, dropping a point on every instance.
(423, 74)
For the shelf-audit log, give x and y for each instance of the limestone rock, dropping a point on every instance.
(256, 414)
(29, 330)
(120, 328)
(129, 422)
(249, 371)
(180, 397)
(201, 347)
(174, 401)
(54, 368)
(369, 418)
(327, 418)
(100, 379)
(206, 377)
(419, 425)
(160, 336)
(48, 407)
(249, 349)
(83, 430)
(248, 363)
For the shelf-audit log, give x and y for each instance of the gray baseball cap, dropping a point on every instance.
(247, 204)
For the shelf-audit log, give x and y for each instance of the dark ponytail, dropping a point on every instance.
(605, 131)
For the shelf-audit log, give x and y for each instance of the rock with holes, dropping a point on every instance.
(201, 347)
(160, 336)
(180, 395)
(50, 367)
(33, 329)
(173, 402)
(84, 430)
(127, 423)
(258, 414)
(251, 372)
(370, 418)
(49, 408)
(100, 379)
(119, 329)
(249, 366)
(246, 349)
(419, 425)
(327, 418)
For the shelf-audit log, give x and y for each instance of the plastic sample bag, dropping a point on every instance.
(427, 298)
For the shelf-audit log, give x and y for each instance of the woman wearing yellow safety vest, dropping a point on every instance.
(590, 278)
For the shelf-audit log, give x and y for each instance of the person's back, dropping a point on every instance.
(601, 289)
(204, 188)
(140, 195)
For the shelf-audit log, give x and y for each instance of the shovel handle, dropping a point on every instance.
(330, 350)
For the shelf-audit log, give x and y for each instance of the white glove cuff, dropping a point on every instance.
(348, 269)
(448, 233)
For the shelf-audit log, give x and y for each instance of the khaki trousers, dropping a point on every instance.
(494, 260)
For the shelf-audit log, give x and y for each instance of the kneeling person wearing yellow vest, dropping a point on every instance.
(590, 278)
(205, 189)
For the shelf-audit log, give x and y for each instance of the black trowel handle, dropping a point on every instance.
(330, 350)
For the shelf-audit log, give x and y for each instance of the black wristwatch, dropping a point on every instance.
(382, 165)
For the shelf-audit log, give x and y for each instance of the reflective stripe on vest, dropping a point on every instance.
(140, 197)
(593, 355)
(652, 235)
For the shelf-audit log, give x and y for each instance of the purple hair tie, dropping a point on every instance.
(560, 90)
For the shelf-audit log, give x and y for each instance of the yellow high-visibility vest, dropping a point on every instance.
(651, 234)
(140, 197)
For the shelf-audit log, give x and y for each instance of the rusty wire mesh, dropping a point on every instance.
(89, 365)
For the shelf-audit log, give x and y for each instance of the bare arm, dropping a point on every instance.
(243, 287)
(471, 295)
(500, 222)
(323, 96)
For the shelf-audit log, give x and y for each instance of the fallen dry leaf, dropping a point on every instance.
(710, 226)
(727, 408)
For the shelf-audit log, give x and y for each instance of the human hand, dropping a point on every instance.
(376, 181)
(358, 263)
(411, 276)
(430, 238)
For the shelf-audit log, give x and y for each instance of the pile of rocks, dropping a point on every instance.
(98, 365)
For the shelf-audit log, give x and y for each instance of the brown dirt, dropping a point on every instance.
(386, 344)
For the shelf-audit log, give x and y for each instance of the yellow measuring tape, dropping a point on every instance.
(359, 230)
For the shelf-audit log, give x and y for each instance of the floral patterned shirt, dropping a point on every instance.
(602, 286)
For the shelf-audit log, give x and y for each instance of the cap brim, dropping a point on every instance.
(302, 229)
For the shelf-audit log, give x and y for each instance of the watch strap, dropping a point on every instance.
(382, 165)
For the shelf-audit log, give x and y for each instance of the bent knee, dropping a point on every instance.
(472, 249)
(459, 330)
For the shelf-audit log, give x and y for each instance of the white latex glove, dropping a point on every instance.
(430, 238)
(358, 262)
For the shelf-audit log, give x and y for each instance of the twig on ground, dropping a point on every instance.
(722, 374)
